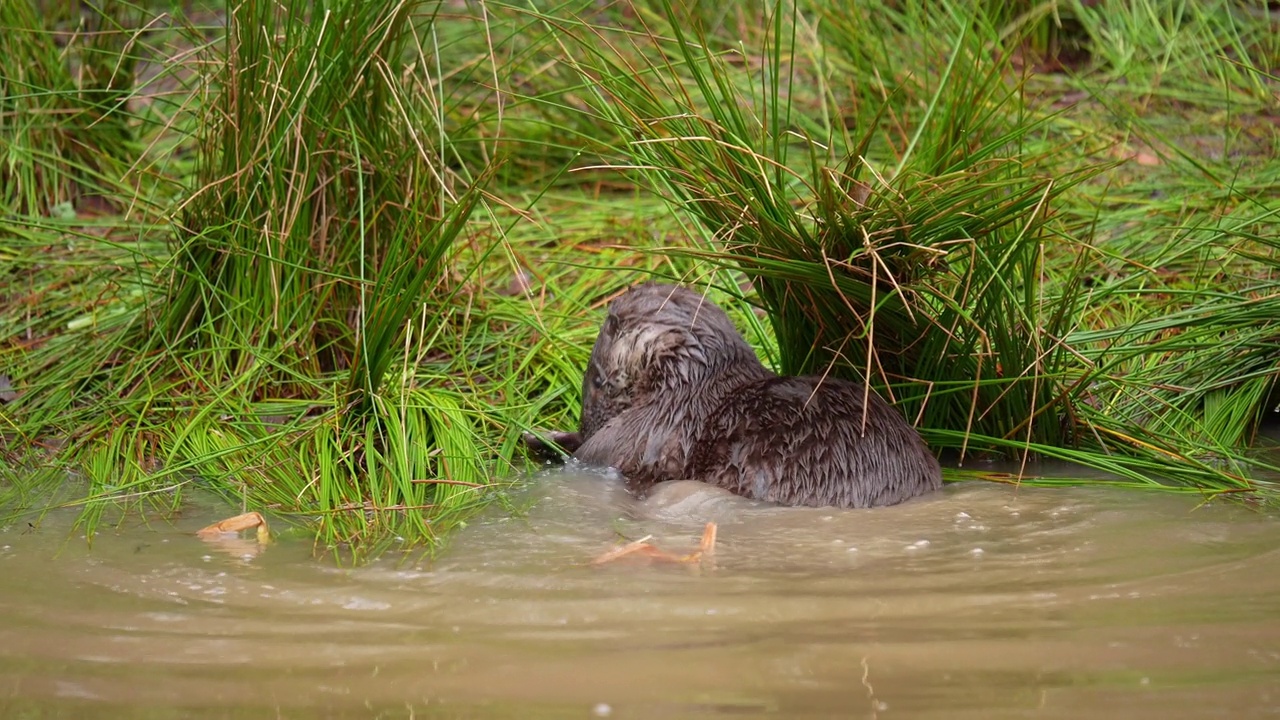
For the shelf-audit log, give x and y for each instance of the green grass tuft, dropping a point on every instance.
(329, 261)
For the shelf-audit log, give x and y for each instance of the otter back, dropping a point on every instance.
(807, 441)
(674, 392)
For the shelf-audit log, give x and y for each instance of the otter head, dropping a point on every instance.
(659, 344)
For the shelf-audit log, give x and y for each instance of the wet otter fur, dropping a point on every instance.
(673, 392)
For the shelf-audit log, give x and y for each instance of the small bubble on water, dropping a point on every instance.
(976, 552)
(602, 710)
(712, 611)
(1145, 681)
(852, 549)
(207, 558)
(359, 603)
(881, 705)
(962, 515)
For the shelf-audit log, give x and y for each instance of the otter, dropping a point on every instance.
(672, 391)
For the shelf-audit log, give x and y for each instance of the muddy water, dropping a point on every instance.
(981, 602)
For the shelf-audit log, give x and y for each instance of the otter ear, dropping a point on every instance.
(610, 325)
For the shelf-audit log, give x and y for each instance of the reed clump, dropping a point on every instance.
(925, 241)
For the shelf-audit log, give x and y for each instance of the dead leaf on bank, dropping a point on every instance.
(7, 393)
(642, 549)
(521, 284)
(1141, 154)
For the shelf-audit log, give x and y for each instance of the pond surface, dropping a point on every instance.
(983, 601)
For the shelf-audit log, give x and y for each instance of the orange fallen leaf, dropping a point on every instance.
(708, 545)
(233, 525)
(643, 548)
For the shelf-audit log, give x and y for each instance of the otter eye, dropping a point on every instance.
(597, 381)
